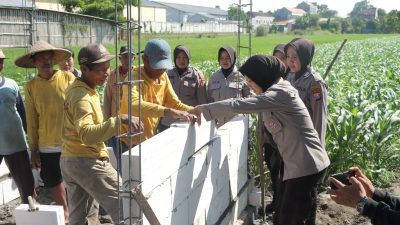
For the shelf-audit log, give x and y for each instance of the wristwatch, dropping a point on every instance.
(361, 204)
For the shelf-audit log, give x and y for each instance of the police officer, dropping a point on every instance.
(187, 81)
(227, 82)
(287, 119)
(310, 85)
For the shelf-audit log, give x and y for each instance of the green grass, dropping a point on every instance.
(202, 47)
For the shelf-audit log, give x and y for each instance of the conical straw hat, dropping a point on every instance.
(26, 61)
(2, 56)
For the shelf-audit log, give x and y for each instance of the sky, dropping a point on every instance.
(343, 7)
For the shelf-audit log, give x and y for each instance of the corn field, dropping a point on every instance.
(363, 109)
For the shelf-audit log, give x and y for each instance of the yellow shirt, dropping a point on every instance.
(44, 100)
(155, 97)
(84, 130)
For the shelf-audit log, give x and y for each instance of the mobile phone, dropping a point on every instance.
(342, 177)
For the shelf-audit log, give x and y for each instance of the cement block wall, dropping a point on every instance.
(191, 174)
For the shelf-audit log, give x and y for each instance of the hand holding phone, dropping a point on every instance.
(342, 177)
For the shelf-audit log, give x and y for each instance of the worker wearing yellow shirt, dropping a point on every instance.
(89, 176)
(157, 97)
(44, 98)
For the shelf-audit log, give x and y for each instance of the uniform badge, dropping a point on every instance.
(316, 92)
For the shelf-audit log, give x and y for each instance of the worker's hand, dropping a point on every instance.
(136, 123)
(366, 183)
(347, 195)
(197, 110)
(178, 114)
(35, 159)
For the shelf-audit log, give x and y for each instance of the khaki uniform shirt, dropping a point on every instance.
(312, 90)
(221, 88)
(190, 89)
(287, 119)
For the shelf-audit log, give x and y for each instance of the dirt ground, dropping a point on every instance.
(329, 213)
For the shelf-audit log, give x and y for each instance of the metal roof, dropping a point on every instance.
(16, 3)
(195, 9)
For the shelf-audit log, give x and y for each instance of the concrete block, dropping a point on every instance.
(10, 190)
(3, 169)
(46, 215)
(1, 195)
(160, 200)
(180, 214)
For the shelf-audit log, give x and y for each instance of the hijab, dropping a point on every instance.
(305, 50)
(232, 55)
(263, 70)
(177, 50)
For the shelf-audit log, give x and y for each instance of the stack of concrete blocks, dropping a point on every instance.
(8, 188)
(191, 174)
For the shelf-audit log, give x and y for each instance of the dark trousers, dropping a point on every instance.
(296, 202)
(20, 169)
(273, 161)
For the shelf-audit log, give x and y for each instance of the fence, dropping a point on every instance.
(20, 27)
(200, 28)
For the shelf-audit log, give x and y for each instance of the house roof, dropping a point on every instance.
(261, 14)
(16, 3)
(283, 22)
(295, 10)
(148, 3)
(195, 9)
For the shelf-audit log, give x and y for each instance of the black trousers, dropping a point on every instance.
(20, 169)
(273, 161)
(296, 202)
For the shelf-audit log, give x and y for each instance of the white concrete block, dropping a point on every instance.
(180, 214)
(160, 200)
(10, 190)
(1, 195)
(46, 215)
(3, 169)
(219, 203)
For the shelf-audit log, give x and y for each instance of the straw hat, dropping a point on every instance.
(26, 61)
(2, 56)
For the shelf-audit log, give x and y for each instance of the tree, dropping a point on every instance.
(307, 21)
(391, 22)
(236, 13)
(100, 8)
(359, 7)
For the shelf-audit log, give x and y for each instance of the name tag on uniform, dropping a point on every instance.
(186, 83)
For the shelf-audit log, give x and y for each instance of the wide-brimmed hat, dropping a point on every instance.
(2, 56)
(27, 60)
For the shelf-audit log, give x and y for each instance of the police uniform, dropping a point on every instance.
(304, 159)
(221, 88)
(190, 88)
(312, 90)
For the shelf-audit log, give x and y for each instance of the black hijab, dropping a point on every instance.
(279, 48)
(263, 70)
(177, 50)
(305, 50)
(232, 54)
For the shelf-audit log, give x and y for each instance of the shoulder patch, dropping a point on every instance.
(316, 91)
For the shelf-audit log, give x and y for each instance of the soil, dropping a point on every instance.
(328, 212)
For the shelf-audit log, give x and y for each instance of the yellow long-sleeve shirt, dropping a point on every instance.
(155, 97)
(84, 130)
(44, 102)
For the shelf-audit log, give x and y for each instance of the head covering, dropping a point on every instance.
(159, 54)
(305, 50)
(232, 54)
(2, 56)
(279, 48)
(93, 54)
(178, 49)
(125, 50)
(263, 70)
(27, 60)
